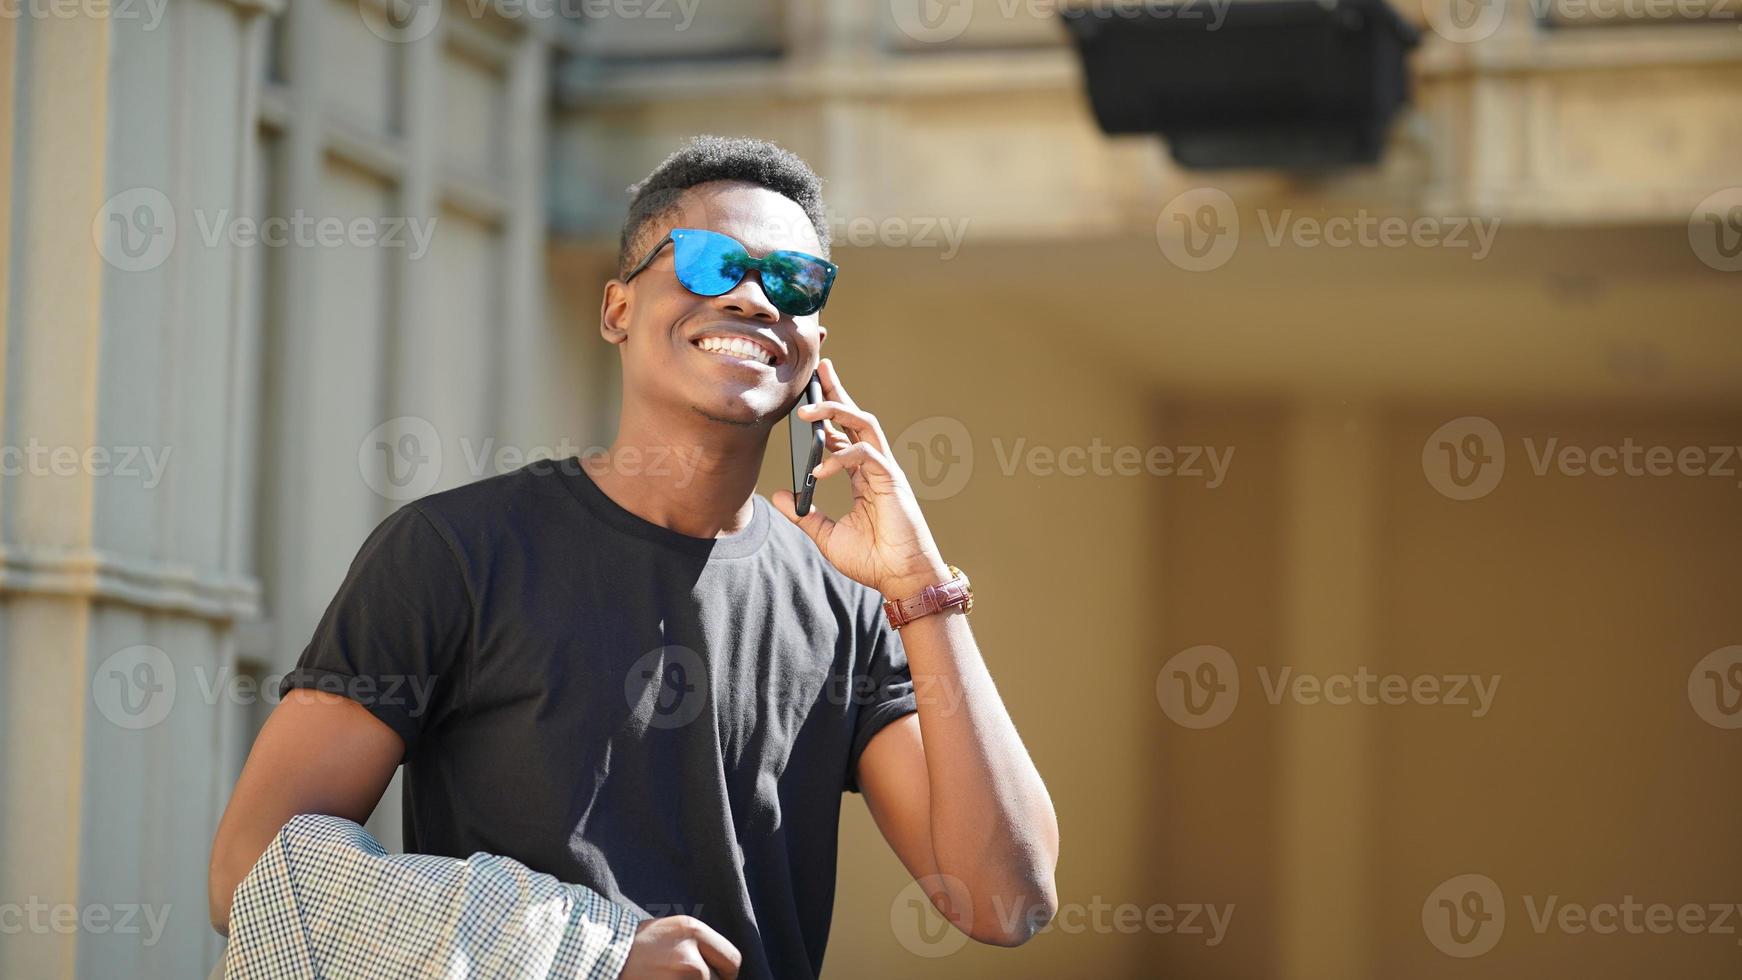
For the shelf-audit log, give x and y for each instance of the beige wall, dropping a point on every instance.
(1327, 549)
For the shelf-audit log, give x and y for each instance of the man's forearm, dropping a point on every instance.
(992, 821)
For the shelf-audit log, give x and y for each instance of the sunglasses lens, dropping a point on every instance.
(795, 282)
(711, 264)
(708, 264)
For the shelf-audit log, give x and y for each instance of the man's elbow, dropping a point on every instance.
(219, 894)
(1031, 916)
(222, 879)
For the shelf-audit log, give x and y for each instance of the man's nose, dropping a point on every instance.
(748, 299)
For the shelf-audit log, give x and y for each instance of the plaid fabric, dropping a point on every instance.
(327, 900)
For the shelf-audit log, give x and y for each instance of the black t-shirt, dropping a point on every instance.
(668, 720)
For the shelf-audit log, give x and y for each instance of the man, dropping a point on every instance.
(637, 677)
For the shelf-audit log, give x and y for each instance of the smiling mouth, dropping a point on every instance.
(742, 351)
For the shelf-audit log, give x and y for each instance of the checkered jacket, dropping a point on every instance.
(326, 900)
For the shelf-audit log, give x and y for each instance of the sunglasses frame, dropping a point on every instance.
(751, 264)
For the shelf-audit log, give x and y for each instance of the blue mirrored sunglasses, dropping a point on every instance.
(708, 263)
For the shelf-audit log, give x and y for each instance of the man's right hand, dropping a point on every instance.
(680, 946)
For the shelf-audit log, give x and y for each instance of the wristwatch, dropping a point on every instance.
(931, 599)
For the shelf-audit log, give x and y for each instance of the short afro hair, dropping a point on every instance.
(706, 158)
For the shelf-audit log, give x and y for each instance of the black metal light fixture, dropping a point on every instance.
(1287, 84)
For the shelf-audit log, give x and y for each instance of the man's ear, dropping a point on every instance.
(614, 313)
(822, 334)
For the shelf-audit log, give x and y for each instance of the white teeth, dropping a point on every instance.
(735, 347)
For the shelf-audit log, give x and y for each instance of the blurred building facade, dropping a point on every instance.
(243, 398)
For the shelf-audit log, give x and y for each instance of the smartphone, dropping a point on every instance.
(807, 440)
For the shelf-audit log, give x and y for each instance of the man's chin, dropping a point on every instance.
(747, 409)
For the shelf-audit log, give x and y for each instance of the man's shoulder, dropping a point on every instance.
(527, 495)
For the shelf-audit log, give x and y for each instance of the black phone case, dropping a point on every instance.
(807, 443)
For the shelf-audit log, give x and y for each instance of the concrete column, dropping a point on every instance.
(1326, 777)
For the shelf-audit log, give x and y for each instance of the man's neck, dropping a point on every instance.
(693, 476)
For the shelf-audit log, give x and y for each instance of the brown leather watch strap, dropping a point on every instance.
(931, 599)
